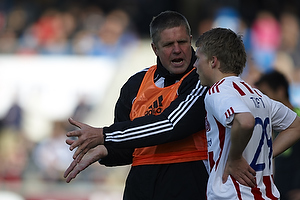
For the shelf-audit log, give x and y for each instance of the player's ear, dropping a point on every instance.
(213, 62)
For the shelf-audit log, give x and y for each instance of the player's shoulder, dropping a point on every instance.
(220, 87)
(232, 85)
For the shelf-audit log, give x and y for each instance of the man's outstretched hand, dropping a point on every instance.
(77, 166)
(88, 138)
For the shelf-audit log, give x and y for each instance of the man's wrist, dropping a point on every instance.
(103, 134)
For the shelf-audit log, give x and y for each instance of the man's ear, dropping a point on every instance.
(154, 48)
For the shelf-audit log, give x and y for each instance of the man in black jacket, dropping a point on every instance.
(161, 104)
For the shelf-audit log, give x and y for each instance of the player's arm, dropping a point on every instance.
(183, 117)
(286, 123)
(241, 132)
(237, 166)
(287, 138)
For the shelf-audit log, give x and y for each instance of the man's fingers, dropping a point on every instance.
(75, 133)
(69, 141)
(80, 155)
(76, 170)
(248, 179)
(251, 177)
(249, 182)
(82, 149)
(72, 176)
(75, 123)
(74, 144)
(70, 168)
(73, 170)
(244, 180)
(252, 171)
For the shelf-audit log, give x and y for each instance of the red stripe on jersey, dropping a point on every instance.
(221, 139)
(257, 93)
(237, 187)
(232, 111)
(267, 182)
(229, 112)
(211, 90)
(248, 88)
(218, 84)
(216, 87)
(238, 89)
(256, 193)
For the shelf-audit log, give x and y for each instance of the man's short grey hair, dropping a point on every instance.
(166, 20)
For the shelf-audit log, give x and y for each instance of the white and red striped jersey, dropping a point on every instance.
(225, 98)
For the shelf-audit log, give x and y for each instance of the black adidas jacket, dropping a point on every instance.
(183, 117)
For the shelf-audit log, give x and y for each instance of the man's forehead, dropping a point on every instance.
(172, 33)
(181, 27)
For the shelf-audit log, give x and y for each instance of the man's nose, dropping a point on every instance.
(177, 48)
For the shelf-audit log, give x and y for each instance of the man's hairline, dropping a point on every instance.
(182, 25)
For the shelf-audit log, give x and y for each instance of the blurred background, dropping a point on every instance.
(61, 59)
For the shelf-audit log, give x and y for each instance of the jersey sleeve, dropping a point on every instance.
(282, 116)
(224, 104)
(117, 156)
(183, 117)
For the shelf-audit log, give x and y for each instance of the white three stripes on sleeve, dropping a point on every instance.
(161, 126)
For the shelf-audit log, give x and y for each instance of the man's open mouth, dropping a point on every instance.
(177, 61)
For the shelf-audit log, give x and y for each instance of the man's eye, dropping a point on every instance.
(168, 44)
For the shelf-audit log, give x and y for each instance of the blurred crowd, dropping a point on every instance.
(272, 42)
(77, 28)
(72, 31)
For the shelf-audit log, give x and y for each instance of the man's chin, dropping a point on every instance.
(178, 70)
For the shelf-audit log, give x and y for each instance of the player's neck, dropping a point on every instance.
(221, 75)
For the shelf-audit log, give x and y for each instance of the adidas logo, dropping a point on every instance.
(155, 108)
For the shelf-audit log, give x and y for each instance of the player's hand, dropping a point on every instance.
(241, 171)
(77, 166)
(88, 138)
